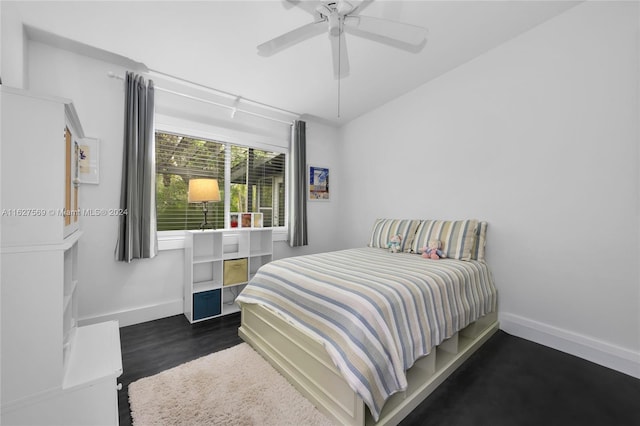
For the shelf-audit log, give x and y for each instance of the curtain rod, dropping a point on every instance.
(234, 108)
(220, 92)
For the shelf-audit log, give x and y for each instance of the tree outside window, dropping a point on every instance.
(256, 181)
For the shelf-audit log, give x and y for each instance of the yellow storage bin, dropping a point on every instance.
(235, 271)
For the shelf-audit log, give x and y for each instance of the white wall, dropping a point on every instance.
(322, 216)
(144, 289)
(540, 138)
(12, 54)
(107, 286)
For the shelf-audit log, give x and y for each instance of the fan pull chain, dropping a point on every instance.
(340, 35)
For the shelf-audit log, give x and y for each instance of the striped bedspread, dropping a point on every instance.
(375, 312)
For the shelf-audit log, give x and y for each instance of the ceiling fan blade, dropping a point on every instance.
(306, 5)
(340, 56)
(361, 5)
(397, 34)
(291, 38)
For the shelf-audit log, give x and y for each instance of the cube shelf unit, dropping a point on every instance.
(218, 264)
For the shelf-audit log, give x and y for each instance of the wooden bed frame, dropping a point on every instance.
(306, 364)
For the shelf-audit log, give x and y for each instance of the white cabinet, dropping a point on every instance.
(40, 193)
(218, 264)
(53, 371)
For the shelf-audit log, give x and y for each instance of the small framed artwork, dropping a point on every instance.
(233, 220)
(257, 220)
(246, 220)
(89, 161)
(318, 184)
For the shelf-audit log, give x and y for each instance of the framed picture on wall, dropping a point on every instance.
(318, 179)
(89, 161)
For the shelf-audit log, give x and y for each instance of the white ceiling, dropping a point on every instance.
(213, 43)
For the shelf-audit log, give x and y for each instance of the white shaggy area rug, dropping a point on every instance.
(235, 386)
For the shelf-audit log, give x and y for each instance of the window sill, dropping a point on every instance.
(170, 240)
(174, 240)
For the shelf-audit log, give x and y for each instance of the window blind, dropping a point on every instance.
(256, 181)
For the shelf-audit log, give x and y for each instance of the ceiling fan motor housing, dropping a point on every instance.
(334, 14)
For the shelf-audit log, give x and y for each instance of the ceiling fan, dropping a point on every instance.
(339, 17)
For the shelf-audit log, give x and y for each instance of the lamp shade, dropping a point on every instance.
(203, 190)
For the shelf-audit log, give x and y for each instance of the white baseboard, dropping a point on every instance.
(606, 354)
(138, 315)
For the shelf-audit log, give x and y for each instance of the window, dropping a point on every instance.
(253, 182)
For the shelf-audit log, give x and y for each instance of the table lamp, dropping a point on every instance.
(203, 191)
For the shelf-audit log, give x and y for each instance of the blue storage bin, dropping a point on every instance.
(207, 304)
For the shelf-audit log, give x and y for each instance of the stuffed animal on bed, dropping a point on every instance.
(432, 250)
(394, 244)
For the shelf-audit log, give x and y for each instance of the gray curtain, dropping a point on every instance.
(297, 182)
(137, 237)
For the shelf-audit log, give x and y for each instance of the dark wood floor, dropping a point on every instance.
(155, 346)
(509, 381)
